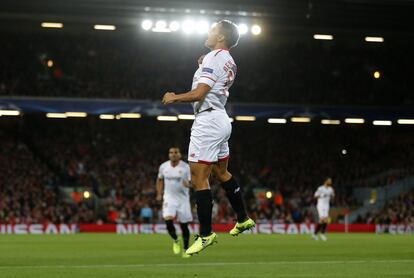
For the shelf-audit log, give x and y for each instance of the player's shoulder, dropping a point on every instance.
(164, 164)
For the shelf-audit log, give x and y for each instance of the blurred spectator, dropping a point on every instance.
(124, 66)
(118, 162)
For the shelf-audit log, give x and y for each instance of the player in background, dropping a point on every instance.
(323, 194)
(172, 187)
(209, 150)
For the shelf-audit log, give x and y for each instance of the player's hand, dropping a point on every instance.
(168, 98)
(158, 198)
(186, 183)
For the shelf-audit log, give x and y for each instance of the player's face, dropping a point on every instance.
(213, 37)
(174, 154)
(328, 182)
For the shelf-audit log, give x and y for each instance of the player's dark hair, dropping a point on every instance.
(230, 32)
(174, 147)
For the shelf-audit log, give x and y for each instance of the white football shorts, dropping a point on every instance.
(323, 211)
(181, 210)
(210, 133)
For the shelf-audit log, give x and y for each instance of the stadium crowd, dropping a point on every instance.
(397, 211)
(143, 66)
(118, 162)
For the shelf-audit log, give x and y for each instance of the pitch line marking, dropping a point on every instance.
(202, 264)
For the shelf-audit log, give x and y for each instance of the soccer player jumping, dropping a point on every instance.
(209, 150)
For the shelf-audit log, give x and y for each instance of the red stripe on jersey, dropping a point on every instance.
(208, 78)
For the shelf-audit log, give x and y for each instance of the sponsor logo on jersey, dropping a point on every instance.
(209, 70)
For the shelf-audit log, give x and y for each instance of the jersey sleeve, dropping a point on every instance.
(317, 192)
(160, 172)
(210, 70)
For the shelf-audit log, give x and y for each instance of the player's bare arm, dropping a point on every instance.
(197, 94)
(159, 185)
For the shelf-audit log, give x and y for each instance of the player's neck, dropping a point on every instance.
(174, 163)
(220, 46)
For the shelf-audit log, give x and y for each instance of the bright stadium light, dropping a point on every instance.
(9, 112)
(276, 121)
(374, 39)
(300, 120)
(243, 28)
(382, 122)
(49, 63)
(330, 122)
(174, 26)
(161, 27)
(256, 30)
(246, 118)
(129, 116)
(104, 27)
(186, 117)
(323, 37)
(167, 118)
(202, 27)
(146, 24)
(56, 115)
(76, 114)
(405, 121)
(269, 194)
(52, 25)
(106, 117)
(377, 74)
(354, 121)
(188, 26)
(160, 24)
(86, 194)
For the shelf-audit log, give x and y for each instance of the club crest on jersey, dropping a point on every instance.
(209, 70)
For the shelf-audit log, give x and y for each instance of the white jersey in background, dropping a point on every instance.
(176, 199)
(218, 70)
(324, 195)
(173, 180)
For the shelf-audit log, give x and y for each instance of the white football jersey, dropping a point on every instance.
(218, 70)
(174, 189)
(325, 193)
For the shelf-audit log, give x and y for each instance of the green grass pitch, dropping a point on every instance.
(110, 255)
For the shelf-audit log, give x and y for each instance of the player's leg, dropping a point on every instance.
(169, 221)
(321, 227)
(234, 195)
(184, 216)
(200, 172)
(325, 221)
(169, 213)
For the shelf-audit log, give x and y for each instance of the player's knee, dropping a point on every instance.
(222, 176)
